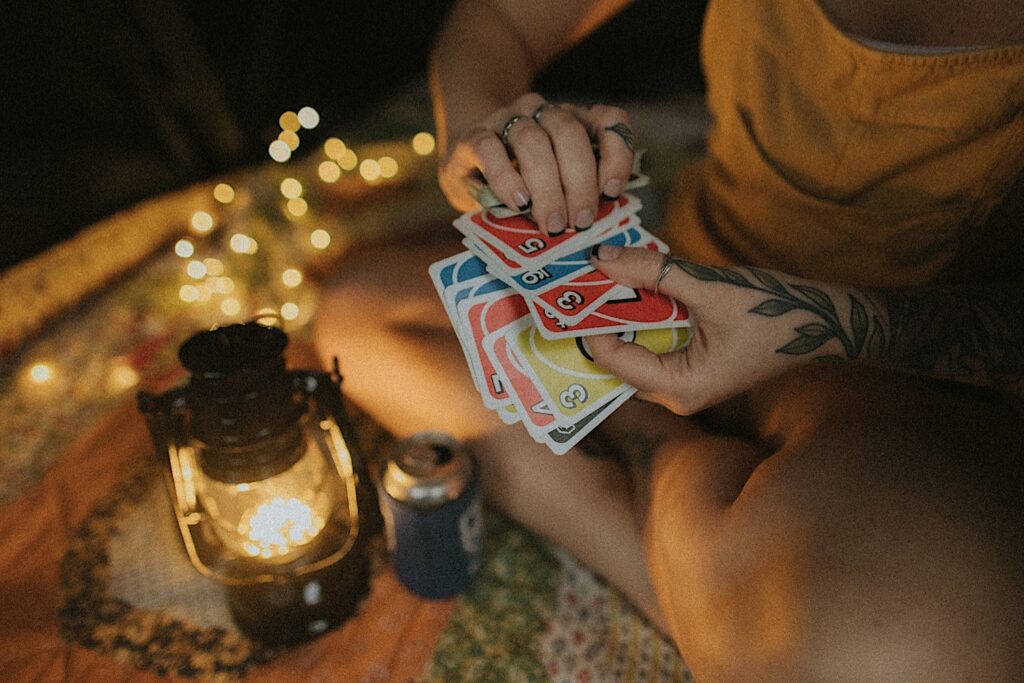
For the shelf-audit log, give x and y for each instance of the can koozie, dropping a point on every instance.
(430, 500)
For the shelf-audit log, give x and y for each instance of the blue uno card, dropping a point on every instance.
(467, 267)
(538, 280)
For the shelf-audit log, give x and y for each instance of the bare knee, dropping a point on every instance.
(814, 595)
(382, 318)
(880, 541)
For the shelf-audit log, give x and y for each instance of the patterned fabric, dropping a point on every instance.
(492, 635)
(596, 636)
(151, 640)
(533, 614)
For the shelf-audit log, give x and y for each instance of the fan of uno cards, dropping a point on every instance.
(522, 304)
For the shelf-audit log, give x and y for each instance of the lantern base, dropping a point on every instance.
(294, 609)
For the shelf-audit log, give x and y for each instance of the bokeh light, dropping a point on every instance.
(188, 293)
(388, 167)
(184, 248)
(289, 310)
(292, 277)
(222, 285)
(214, 266)
(329, 171)
(297, 207)
(202, 222)
(122, 376)
(369, 169)
(423, 143)
(289, 121)
(268, 316)
(289, 138)
(320, 238)
(348, 160)
(224, 193)
(241, 243)
(280, 151)
(231, 306)
(291, 188)
(334, 148)
(196, 270)
(309, 117)
(41, 373)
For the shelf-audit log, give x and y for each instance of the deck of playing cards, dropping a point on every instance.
(522, 304)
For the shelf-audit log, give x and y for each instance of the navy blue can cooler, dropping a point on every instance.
(430, 500)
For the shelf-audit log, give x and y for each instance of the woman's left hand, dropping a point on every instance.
(748, 326)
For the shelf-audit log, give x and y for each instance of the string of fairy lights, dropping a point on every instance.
(218, 240)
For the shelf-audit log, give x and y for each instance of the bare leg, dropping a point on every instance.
(403, 365)
(863, 526)
(880, 540)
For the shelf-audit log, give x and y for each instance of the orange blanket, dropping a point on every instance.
(391, 638)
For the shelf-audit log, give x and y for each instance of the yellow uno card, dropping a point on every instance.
(569, 380)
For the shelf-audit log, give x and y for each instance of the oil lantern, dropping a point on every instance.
(271, 494)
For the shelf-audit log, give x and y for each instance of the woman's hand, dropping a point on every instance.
(539, 156)
(748, 326)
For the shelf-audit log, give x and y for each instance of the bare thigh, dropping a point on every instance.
(402, 363)
(880, 538)
(839, 522)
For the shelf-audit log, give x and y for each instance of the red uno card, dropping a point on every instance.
(641, 311)
(572, 300)
(536, 414)
(491, 255)
(485, 315)
(521, 241)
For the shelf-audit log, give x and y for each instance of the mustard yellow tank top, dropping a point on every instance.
(837, 161)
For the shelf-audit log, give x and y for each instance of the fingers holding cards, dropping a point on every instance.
(640, 366)
(567, 376)
(526, 306)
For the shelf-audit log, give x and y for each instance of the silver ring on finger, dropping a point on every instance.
(664, 271)
(508, 128)
(541, 108)
(624, 132)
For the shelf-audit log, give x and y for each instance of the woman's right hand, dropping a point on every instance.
(539, 156)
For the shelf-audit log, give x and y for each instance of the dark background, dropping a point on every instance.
(106, 103)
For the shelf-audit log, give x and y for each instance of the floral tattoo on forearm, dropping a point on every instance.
(969, 334)
(863, 335)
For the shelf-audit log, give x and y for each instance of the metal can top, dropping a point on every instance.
(427, 469)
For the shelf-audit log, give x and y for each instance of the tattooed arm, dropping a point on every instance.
(972, 334)
(752, 324)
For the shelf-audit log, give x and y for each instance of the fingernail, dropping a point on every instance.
(522, 201)
(556, 223)
(584, 219)
(605, 252)
(613, 188)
